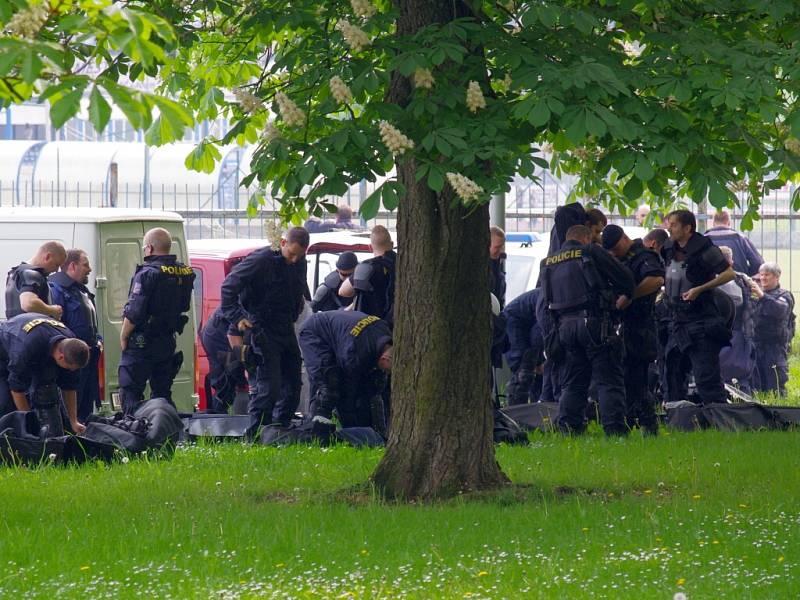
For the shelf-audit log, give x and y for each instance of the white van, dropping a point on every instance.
(112, 239)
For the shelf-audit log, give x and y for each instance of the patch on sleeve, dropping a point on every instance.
(137, 288)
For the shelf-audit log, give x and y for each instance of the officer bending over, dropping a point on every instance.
(525, 353)
(327, 295)
(579, 283)
(264, 294)
(160, 295)
(26, 284)
(638, 323)
(347, 354)
(41, 355)
(697, 330)
(69, 291)
(225, 367)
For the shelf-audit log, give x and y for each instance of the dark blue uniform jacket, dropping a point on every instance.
(349, 340)
(161, 291)
(80, 314)
(522, 327)
(26, 342)
(265, 289)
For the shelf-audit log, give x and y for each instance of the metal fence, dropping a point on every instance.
(529, 207)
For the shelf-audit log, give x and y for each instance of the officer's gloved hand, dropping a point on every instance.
(322, 427)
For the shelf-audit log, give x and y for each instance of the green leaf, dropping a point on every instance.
(547, 15)
(63, 109)
(435, 179)
(595, 125)
(369, 207)
(576, 130)
(643, 169)
(633, 189)
(99, 110)
(539, 115)
(135, 111)
(8, 59)
(390, 196)
(326, 166)
(31, 67)
(717, 194)
(443, 147)
(204, 158)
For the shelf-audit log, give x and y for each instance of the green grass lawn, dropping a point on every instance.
(710, 514)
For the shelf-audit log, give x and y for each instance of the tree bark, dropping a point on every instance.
(440, 441)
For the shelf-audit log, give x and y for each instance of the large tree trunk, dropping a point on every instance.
(441, 435)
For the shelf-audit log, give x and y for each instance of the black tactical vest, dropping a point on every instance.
(170, 298)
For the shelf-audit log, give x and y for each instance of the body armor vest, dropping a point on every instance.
(170, 298)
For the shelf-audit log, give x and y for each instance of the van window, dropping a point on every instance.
(121, 261)
(197, 292)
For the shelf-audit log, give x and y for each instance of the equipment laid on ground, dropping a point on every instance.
(154, 427)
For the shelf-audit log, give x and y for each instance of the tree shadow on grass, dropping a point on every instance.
(366, 494)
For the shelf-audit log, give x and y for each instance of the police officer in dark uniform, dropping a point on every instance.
(698, 329)
(227, 356)
(39, 356)
(373, 280)
(497, 264)
(68, 290)
(638, 323)
(774, 330)
(160, 295)
(579, 283)
(526, 346)
(26, 284)
(347, 354)
(264, 294)
(327, 295)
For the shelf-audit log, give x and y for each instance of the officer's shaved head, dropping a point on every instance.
(579, 233)
(381, 240)
(50, 256)
(159, 239)
(722, 218)
(74, 354)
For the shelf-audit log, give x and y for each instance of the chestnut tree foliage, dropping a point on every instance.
(650, 98)
(441, 104)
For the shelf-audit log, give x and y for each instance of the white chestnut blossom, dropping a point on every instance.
(363, 8)
(290, 113)
(465, 188)
(271, 131)
(475, 99)
(423, 78)
(27, 23)
(355, 37)
(340, 91)
(250, 103)
(393, 139)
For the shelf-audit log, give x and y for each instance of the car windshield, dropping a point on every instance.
(518, 274)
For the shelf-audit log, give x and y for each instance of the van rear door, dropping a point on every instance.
(120, 252)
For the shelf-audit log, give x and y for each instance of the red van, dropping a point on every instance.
(212, 260)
